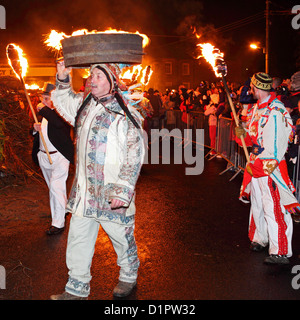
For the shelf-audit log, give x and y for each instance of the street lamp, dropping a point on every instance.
(254, 46)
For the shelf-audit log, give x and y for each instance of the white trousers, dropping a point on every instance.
(82, 237)
(56, 175)
(269, 222)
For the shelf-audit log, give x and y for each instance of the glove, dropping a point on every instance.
(249, 170)
(240, 131)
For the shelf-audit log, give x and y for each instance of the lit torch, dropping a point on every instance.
(19, 65)
(147, 73)
(53, 41)
(215, 58)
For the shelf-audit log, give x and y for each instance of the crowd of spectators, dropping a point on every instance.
(211, 99)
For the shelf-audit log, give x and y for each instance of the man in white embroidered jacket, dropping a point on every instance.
(268, 130)
(109, 156)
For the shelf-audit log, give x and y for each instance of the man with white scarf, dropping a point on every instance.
(110, 152)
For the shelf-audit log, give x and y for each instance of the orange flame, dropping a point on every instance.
(85, 74)
(21, 60)
(132, 73)
(33, 86)
(147, 73)
(54, 38)
(137, 74)
(211, 55)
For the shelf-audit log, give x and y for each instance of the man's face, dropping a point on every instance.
(46, 100)
(253, 91)
(100, 86)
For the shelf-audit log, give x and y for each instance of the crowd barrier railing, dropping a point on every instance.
(226, 147)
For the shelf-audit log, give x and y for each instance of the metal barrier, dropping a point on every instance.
(226, 147)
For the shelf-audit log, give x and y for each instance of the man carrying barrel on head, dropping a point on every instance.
(109, 156)
(268, 131)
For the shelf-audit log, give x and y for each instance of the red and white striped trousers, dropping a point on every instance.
(269, 223)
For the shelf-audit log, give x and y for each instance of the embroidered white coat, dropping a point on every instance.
(110, 152)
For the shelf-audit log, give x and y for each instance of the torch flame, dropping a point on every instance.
(213, 56)
(147, 73)
(132, 73)
(137, 74)
(54, 40)
(17, 60)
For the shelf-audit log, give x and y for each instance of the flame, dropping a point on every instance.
(86, 73)
(147, 73)
(212, 55)
(198, 36)
(32, 86)
(54, 38)
(21, 61)
(146, 39)
(132, 73)
(137, 74)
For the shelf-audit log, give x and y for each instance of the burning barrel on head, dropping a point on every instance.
(84, 50)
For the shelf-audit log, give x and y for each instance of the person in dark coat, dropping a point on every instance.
(57, 136)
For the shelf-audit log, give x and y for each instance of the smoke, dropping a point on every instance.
(29, 21)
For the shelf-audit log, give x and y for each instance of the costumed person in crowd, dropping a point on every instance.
(268, 131)
(58, 140)
(292, 97)
(143, 105)
(156, 103)
(109, 156)
(185, 106)
(210, 111)
(294, 90)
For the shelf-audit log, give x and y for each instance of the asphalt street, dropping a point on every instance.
(191, 233)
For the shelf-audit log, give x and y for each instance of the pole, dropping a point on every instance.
(35, 118)
(235, 116)
(267, 37)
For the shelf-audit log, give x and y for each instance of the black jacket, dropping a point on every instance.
(58, 134)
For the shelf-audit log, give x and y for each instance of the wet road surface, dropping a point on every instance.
(191, 233)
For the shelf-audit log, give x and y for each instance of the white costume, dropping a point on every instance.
(110, 152)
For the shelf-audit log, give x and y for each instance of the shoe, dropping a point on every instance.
(123, 289)
(244, 199)
(54, 230)
(296, 218)
(254, 246)
(276, 259)
(66, 296)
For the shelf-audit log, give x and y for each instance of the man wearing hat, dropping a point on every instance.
(109, 156)
(268, 131)
(57, 137)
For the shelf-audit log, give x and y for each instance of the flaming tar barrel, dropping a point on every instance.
(82, 51)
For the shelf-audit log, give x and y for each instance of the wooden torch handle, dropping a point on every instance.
(235, 117)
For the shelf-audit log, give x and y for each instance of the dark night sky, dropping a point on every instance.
(28, 20)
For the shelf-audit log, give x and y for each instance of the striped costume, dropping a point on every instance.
(269, 128)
